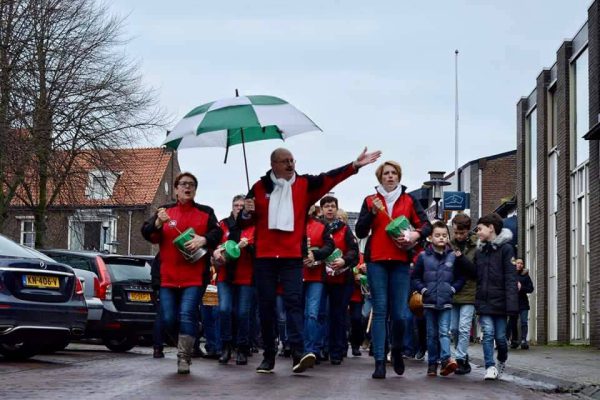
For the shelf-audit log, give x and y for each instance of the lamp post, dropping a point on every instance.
(436, 182)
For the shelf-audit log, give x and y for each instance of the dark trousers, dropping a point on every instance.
(268, 273)
(339, 298)
(357, 334)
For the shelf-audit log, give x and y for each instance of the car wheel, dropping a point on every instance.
(119, 344)
(18, 351)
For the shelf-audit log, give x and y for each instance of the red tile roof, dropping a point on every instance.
(141, 171)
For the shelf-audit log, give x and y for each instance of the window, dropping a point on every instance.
(531, 146)
(100, 185)
(28, 232)
(580, 108)
(552, 118)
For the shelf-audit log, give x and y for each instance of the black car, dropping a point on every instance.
(124, 286)
(41, 302)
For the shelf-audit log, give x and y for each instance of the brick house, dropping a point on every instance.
(104, 210)
(490, 181)
(558, 191)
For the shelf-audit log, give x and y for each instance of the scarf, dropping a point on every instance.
(281, 204)
(334, 225)
(390, 197)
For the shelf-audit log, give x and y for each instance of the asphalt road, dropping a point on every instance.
(92, 372)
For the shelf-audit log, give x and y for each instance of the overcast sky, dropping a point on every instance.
(377, 74)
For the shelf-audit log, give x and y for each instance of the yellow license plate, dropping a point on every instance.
(41, 281)
(139, 296)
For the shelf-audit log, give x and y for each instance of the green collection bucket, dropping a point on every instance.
(180, 242)
(397, 226)
(232, 250)
(337, 253)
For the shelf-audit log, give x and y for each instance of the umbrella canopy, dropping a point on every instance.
(241, 119)
(238, 120)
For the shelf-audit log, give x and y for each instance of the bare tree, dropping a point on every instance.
(81, 96)
(14, 35)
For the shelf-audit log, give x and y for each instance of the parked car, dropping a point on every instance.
(124, 287)
(41, 302)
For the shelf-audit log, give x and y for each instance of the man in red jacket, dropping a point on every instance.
(277, 205)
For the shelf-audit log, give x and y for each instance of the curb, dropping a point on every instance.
(554, 385)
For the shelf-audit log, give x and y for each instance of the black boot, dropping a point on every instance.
(225, 353)
(301, 362)
(397, 361)
(379, 372)
(461, 367)
(242, 356)
(158, 352)
(267, 365)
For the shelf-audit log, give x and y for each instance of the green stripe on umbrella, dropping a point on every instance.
(238, 120)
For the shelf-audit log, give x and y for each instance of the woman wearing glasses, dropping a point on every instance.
(183, 279)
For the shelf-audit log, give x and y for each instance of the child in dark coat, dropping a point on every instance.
(435, 278)
(496, 295)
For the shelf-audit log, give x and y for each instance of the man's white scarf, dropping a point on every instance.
(390, 197)
(281, 204)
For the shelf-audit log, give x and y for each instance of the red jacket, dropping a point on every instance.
(241, 269)
(321, 239)
(306, 190)
(175, 271)
(345, 241)
(380, 246)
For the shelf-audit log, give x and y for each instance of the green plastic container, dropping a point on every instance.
(337, 253)
(180, 242)
(232, 250)
(398, 226)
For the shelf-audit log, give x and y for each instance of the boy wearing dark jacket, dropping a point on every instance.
(496, 295)
(525, 286)
(435, 278)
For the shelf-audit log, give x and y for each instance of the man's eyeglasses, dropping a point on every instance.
(287, 161)
(187, 184)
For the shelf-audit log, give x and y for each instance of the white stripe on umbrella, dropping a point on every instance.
(185, 127)
(207, 139)
(234, 101)
(287, 117)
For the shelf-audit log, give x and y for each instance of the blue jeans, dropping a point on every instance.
(389, 283)
(494, 328)
(210, 322)
(313, 291)
(523, 317)
(438, 335)
(240, 297)
(462, 319)
(339, 299)
(182, 303)
(268, 272)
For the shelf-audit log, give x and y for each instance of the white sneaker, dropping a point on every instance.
(501, 367)
(491, 374)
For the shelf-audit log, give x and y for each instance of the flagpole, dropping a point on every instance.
(456, 119)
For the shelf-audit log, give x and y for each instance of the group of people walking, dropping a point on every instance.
(285, 251)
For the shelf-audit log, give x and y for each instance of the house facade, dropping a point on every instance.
(558, 192)
(104, 211)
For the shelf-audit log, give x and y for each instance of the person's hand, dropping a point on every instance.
(195, 243)
(161, 217)
(362, 268)
(338, 263)
(407, 240)
(310, 259)
(518, 285)
(249, 205)
(365, 158)
(377, 205)
(219, 256)
(243, 243)
(458, 253)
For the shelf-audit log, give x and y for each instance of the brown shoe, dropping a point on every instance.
(448, 367)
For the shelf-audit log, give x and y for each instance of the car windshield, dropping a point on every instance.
(128, 269)
(8, 248)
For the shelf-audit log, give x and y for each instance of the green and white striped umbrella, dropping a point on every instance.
(243, 119)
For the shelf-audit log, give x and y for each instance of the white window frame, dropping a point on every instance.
(101, 184)
(24, 219)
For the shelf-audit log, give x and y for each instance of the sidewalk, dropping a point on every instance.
(573, 369)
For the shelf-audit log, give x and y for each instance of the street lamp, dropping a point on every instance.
(436, 182)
